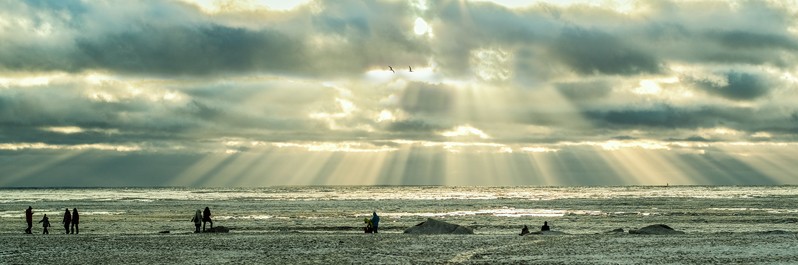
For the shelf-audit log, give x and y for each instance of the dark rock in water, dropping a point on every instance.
(164, 232)
(658, 229)
(218, 229)
(435, 227)
(615, 231)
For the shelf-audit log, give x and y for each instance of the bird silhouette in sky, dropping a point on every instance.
(391, 68)
(411, 69)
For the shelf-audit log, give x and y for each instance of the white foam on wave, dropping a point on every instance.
(502, 212)
(21, 214)
(768, 210)
(102, 213)
(244, 217)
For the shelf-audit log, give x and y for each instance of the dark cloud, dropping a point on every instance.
(665, 116)
(665, 119)
(694, 138)
(462, 27)
(347, 37)
(358, 35)
(739, 39)
(600, 41)
(171, 38)
(584, 90)
(416, 125)
(191, 50)
(595, 52)
(738, 86)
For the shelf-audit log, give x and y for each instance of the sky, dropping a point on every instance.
(216, 93)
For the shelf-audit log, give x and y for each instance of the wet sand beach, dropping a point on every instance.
(340, 248)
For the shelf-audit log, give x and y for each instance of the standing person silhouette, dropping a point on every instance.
(45, 224)
(197, 221)
(67, 220)
(75, 221)
(206, 218)
(29, 219)
(375, 221)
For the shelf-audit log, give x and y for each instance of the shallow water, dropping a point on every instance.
(489, 210)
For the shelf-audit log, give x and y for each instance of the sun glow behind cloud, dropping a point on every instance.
(420, 27)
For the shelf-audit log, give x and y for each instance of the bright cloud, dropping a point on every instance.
(465, 131)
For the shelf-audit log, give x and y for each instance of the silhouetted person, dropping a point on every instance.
(206, 218)
(391, 68)
(375, 221)
(411, 69)
(524, 231)
(67, 220)
(29, 219)
(75, 221)
(45, 224)
(545, 226)
(197, 221)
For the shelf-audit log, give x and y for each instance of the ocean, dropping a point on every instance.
(489, 210)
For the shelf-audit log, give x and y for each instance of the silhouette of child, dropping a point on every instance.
(45, 224)
(545, 226)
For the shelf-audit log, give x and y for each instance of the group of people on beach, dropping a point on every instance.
(70, 220)
(201, 218)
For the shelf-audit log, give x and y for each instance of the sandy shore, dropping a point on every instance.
(318, 225)
(393, 248)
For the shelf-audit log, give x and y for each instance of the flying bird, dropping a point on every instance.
(391, 68)
(411, 69)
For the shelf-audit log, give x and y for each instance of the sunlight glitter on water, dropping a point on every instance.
(504, 212)
(386, 193)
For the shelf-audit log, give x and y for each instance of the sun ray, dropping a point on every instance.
(200, 171)
(10, 178)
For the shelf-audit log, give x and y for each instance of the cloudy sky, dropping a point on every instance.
(259, 93)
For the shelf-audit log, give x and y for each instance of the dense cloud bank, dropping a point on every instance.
(180, 77)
